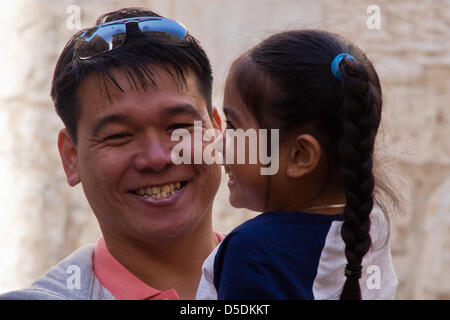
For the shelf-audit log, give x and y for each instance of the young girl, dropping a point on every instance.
(322, 234)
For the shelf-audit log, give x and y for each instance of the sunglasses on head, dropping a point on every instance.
(111, 35)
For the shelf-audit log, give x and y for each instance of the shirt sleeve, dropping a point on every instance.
(243, 270)
(206, 289)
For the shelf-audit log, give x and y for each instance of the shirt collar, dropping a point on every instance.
(122, 284)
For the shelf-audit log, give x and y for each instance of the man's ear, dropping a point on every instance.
(68, 152)
(217, 121)
(304, 156)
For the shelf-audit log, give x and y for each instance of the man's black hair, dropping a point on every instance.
(137, 57)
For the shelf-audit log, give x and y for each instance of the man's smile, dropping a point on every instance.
(160, 191)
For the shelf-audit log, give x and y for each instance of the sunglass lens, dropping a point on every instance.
(163, 25)
(101, 40)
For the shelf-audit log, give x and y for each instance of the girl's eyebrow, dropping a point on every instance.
(229, 113)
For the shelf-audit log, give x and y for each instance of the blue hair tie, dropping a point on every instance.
(335, 64)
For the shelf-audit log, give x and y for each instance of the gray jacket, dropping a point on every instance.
(71, 279)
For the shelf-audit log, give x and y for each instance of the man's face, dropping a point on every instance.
(123, 158)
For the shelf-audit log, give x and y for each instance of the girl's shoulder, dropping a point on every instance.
(275, 232)
(378, 280)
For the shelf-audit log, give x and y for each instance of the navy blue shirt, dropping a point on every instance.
(272, 256)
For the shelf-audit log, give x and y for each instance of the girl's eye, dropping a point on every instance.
(229, 125)
(180, 126)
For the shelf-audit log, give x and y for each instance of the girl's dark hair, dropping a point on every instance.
(137, 57)
(286, 82)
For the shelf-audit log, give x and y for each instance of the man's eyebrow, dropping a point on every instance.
(179, 109)
(109, 119)
(184, 108)
(229, 113)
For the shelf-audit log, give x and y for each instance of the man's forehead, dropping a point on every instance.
(116, 81)
(119, 85)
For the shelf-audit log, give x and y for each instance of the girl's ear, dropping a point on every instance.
(68, 152)
(304, 156)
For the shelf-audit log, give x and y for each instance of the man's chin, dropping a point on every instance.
(160, 235)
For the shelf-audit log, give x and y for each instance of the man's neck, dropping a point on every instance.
(172, 265)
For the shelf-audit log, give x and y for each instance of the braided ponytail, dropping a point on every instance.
(355, 148)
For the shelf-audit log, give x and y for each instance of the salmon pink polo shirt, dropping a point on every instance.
(122, 284)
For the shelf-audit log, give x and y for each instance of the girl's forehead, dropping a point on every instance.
(233, 101)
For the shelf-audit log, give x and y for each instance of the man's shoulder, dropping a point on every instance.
(70, 279)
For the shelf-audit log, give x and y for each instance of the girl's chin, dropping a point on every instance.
(238, 201)
(235, 201)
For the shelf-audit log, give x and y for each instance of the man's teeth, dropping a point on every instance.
(160, 191)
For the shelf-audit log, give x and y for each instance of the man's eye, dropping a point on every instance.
(229, 125)
(118, 136)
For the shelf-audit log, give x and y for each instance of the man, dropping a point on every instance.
(121, 88)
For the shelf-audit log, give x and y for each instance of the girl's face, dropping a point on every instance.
(248, 187)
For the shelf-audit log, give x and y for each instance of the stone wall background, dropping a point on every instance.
(43, 220)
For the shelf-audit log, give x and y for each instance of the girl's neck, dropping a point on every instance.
(329, 202)
(337, 208)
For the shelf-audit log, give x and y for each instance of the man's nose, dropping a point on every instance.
(154, 155)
